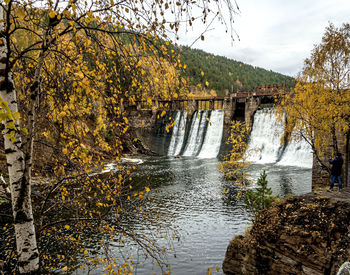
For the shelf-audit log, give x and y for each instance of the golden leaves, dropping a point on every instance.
(52, 14)
(318, 107)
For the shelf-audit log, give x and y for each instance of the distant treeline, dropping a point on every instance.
(227, 75)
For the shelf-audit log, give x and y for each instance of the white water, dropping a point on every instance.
(212, 141)
(196, 135)
(178, 134)
(297, 153)
(265, 139)
(205, 135)
(265, 143)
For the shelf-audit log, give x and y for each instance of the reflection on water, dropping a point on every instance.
(284, 180)
(188, 194)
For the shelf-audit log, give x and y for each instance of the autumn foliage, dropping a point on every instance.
(69, 70)
(318, 109)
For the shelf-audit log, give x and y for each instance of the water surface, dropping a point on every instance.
(190, 194)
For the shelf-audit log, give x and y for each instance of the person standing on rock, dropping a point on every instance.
(337, 163)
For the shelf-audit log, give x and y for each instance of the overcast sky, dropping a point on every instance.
(275, 34)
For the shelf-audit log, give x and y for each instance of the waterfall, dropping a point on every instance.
(212, 141)
(265, 139)
(265, 143)
(297, 153)
(178, 134)
(196, 134)
(203, 137)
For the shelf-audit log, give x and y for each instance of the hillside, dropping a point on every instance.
(225, 74)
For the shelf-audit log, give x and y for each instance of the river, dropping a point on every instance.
(196, 205)
(191, 196)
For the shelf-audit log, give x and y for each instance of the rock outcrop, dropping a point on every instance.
(308, 234)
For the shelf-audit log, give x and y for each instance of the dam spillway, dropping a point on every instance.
(202, 136)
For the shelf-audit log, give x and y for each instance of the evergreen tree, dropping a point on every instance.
(261, 197)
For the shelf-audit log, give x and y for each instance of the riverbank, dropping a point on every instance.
(306, 234)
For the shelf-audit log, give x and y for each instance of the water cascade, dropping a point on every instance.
(196, 134)
(297, 153)
(265, 143)
(203, 138)
(212, 141)
(178, 134)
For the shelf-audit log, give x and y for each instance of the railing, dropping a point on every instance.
(215, 101)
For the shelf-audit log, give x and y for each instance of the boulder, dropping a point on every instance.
(307, 234)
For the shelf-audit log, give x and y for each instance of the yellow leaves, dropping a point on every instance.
(62, 114)
(52, 14)
(147, 189)
(79, 74)
(20, 13)
(67, 226)
(66, 14)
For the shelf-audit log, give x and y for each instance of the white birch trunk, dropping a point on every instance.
(28, 255)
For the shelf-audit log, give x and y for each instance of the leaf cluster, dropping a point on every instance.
(318, 109)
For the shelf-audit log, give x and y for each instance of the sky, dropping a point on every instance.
(276, 35)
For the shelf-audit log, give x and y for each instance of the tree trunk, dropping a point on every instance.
(28, 255)
(347, 153)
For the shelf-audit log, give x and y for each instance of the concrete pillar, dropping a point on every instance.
(251, 105)
(191, 107)
(211, 104)
(229, 106)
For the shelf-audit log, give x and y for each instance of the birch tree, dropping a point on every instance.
(47, 30)
(19, 166)
(318, 108)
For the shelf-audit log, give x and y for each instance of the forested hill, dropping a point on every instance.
(225, 74)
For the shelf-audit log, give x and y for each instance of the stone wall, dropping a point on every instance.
(142, 123)
(251, 105)
(308, 234)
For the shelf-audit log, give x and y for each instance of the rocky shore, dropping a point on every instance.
(307, 234)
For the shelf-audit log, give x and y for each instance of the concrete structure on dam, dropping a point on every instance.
(237, 106)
